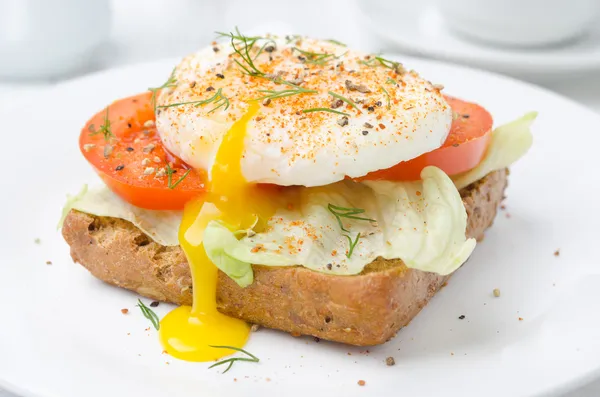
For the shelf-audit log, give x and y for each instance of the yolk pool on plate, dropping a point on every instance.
(188, 332)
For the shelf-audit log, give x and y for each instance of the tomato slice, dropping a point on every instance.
(128, 155)
(463, 149)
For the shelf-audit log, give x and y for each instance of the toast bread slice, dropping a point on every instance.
(364, 309)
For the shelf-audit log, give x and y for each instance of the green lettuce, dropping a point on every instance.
(509, 143)
(423, 223)
(161, 226)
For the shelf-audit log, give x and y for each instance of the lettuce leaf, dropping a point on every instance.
(423, 223)
(161, 226)
(509, 143)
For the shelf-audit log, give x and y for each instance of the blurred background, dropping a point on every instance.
(554, 43)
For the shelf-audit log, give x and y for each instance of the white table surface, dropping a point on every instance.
(135, 38)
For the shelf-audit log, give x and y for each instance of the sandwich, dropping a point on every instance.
(288, 182)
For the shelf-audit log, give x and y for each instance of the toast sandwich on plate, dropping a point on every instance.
(288, 182)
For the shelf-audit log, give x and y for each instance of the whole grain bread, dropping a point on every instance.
(365, 309)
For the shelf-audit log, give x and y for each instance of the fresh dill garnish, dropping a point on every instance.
(352, 244)
(318, 58)
(104, 129)
(250, 69)
(324, 110)
(253, 358)
(171, 82)
(149, 314)
(348, 213)
(348, 101)
(241, 39)
(387, 95)
(238, 36)
(295, 90)
(336, 42)
(386, 63)
(218, 99)
(242, 48)
(170, 171)
(391, 81)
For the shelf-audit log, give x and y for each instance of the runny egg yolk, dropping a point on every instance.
(189, 332)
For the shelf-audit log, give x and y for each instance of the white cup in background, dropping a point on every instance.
(525, 23)
(42, 39)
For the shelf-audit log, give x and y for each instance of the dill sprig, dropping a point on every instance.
(348, 213)
(311, 110)
(386, 63)
(352, 244)
(348, 101)
(105, 128)
(170, 171)
(238, 36)
(387, 95)
(250, 68)
(218, 99)
(336, 42)
(391, 81)
(247, 41)
(253, 358)
(149, 314)
(243, 47)
(294, 90)
(317, 58)
(171, 82)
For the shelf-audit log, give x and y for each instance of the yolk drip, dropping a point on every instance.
(188, 332)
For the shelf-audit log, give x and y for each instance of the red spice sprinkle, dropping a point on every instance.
(418, 193)
(520, 318)
(502, 207)
(124, 311)
(557, 253)
(361, 382)
(382, 126)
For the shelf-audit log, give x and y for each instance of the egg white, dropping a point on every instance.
(402, 117)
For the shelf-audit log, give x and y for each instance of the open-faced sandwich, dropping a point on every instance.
(287, 182)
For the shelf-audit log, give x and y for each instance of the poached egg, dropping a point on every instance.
(376, 114)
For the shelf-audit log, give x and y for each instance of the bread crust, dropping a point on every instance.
(364, 309)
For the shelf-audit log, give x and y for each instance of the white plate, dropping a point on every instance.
(63, 334)
(418, 28)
